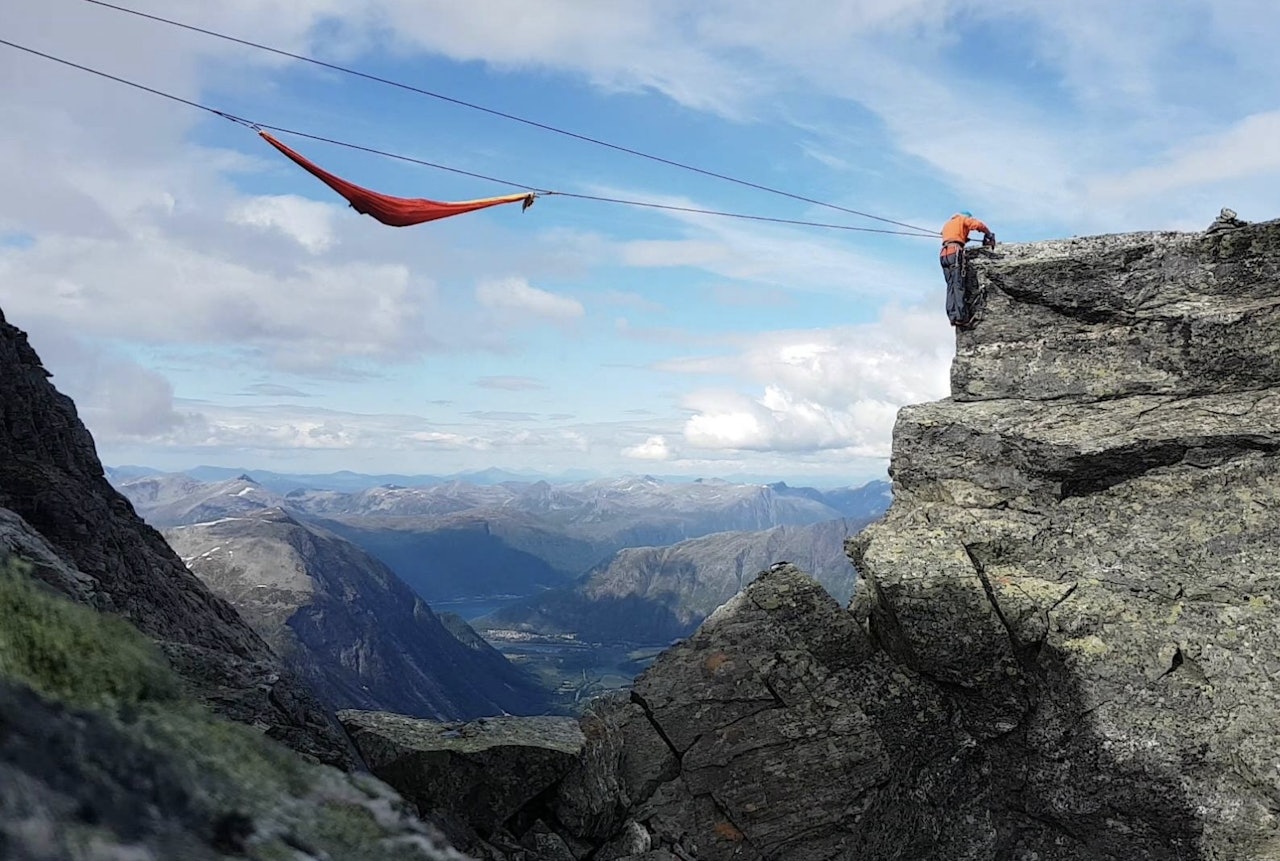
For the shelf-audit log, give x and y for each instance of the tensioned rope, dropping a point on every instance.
(506, 116)
(399, 157)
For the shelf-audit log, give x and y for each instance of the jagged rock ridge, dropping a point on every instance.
(97, 551)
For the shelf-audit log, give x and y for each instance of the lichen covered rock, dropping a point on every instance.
(1107, 477)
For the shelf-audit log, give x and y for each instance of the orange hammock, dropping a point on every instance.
(394, 211)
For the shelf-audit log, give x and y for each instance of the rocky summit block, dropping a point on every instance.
(1082, 550)
(1147, 313)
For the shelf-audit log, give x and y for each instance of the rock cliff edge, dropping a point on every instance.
(1066, 640)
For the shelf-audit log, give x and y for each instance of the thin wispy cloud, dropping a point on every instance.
(510, 384)
(274, 390)
(503, 416)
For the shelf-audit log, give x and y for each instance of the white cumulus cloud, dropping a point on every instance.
(779, 420)
(516, 295)
(307, 222)
(653, 448)
(821, 389)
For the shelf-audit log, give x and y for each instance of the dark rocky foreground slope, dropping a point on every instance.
(1066, 640)
(55, 500)
(102, 758)
(105, 752)
(349, 627)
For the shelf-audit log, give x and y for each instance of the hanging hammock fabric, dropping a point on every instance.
(394, 211)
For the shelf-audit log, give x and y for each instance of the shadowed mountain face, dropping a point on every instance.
(656, 594)
(359, 635)
(93, 548)
(464, 555)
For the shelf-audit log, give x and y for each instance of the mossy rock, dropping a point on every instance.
(101, 742)
(73, 654)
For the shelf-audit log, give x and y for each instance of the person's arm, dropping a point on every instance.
(972, 224)
(988, 237)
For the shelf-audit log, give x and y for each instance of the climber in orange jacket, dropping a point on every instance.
(955, 233)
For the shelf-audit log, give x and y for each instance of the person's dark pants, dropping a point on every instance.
(953, 269)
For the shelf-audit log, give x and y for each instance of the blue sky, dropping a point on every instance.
(204, 301)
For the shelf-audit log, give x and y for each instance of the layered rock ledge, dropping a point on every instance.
(472, 778)
(1082, 551)
(1131, 314)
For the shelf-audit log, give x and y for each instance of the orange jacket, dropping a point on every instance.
(958, 230)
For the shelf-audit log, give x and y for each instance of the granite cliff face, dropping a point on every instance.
(1083, 542)
(1065, 641)
(56, 505)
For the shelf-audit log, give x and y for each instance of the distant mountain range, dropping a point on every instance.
(458, 539)
(343, 480)
(619, 560)
(179, 500)
(349, 482)
(655, 594)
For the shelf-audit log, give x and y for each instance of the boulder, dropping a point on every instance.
(479, 774)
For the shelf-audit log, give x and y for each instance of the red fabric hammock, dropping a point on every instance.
(394, 211)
